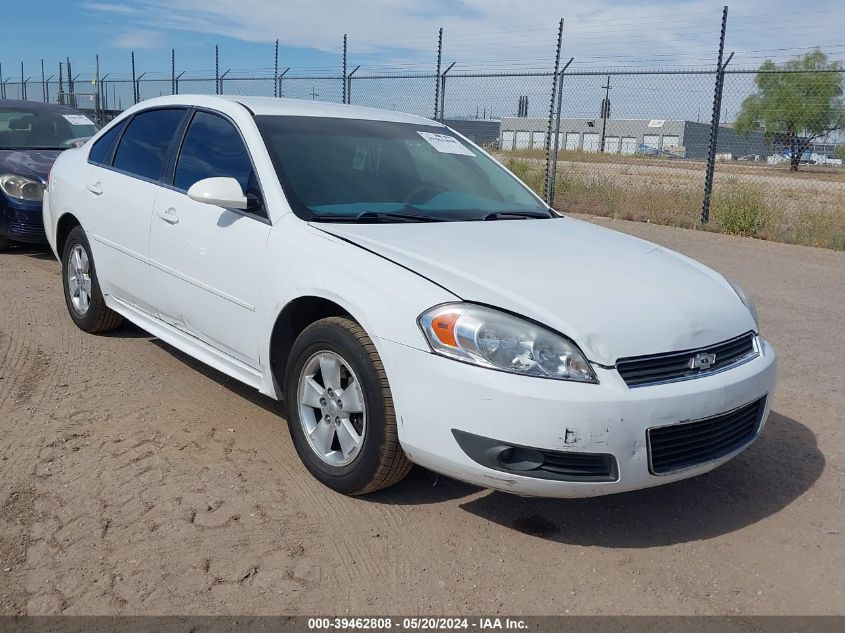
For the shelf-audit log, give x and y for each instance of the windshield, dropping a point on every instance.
(359, 170)
(43, 128)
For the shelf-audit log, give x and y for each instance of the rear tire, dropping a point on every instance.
(340, 410)
(84, 300)
(4, 243)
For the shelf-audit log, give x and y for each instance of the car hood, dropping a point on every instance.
(613, 294)
(35, 163)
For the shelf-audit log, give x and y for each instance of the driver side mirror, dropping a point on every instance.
(223, 192)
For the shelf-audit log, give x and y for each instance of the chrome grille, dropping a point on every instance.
(639, 371)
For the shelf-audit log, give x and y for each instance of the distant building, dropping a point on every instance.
(683, 139)
(479, 131)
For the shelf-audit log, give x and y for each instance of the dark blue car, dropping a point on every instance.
(31, 137)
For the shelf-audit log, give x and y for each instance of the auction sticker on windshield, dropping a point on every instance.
(445, 144)
(77, 119)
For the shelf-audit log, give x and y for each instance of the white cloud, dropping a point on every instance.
(608, 32)
(104, 7)
(138, 38)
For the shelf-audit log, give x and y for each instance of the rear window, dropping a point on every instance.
(101, 150)
(43, 128)
(143, 148)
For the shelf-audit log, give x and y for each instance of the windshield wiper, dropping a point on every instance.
(515, 215)
(377, 216)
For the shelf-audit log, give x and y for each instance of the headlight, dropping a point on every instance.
(21, 187)
(489, 338)
(748, 303)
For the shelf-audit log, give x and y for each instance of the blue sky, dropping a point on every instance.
(402, 33)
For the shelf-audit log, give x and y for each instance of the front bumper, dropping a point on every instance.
(435, 396)
(22, 221)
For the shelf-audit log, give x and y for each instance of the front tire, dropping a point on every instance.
(84, 300)
(4, 243)
(340, 410)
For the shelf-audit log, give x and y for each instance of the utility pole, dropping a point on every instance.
(605, 112)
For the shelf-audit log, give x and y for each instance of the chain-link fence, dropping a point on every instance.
(758, 151)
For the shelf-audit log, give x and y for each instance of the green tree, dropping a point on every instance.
(798, 106)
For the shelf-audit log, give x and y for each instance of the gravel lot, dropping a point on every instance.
(134, 480)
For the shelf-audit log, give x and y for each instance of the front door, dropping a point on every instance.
(204, 257)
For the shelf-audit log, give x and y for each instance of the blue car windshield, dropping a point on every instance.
(336, 170)
(43, 128)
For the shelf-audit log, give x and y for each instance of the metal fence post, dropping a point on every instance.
(70, 87)
(134, 83)
(284, 72)
(43, 84)
(173, 71)
(97, 117)
(714, 123)
(349, 84)
(443, 91)
(556, 139)
(23, 84)
(61, 97)
(551, 160)
(104, 92)
(437, 81)
(216, 69)
(138, 86)
(178, 77)
(276, 71)
(344, 68)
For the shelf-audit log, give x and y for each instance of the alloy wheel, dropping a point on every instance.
(331, 408)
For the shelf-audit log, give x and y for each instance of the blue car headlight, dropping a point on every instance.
(22, 187)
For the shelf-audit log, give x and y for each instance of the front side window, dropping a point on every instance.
(213, 148)
(43, 128)
(350, 169)
(144, 146)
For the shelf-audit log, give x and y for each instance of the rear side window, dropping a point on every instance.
(144, 146)
(101, 151)
(213, 148)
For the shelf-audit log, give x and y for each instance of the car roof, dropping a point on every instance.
(288, 107)
(33, 106)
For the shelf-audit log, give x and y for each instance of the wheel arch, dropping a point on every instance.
(67, 222)
(293, 318)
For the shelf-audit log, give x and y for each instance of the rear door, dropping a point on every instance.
(121, 190)
(206, 259)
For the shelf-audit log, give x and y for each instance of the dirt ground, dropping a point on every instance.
(135, 481)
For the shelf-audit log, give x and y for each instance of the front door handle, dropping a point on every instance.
(96, 188)
(168, 215)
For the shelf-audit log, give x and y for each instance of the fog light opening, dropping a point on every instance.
(517, 458)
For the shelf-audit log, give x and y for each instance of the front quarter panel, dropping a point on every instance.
(383, 297)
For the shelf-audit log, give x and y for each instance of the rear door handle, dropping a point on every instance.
(96, 188)
(168, 215)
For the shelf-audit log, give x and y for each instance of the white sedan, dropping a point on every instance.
(408, 297)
